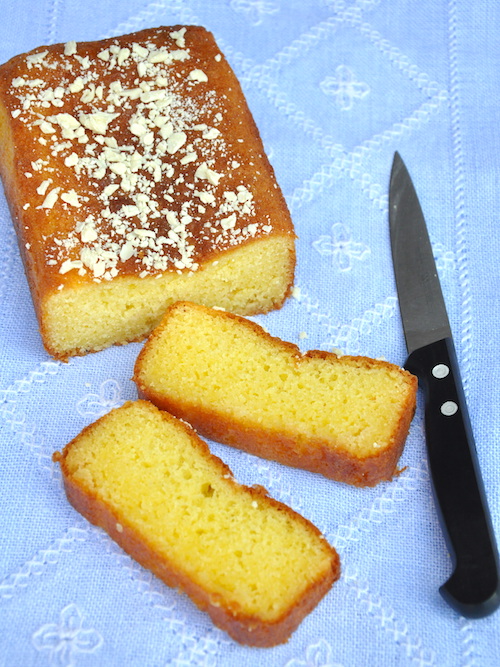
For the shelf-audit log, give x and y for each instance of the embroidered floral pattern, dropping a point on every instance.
(317, 655)
(344, 87)
(445, 259)
(340, 245)
(200, 651)
(67, 638)
(96, 405)
(254, 10)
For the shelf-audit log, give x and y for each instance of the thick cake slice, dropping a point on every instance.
(344, 417)
(136, 177)
(256, 566)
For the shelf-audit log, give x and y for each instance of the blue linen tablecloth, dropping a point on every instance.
(336, 86)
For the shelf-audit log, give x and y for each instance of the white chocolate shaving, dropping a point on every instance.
(197, 75)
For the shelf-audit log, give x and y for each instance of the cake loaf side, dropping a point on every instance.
(253, 564)
(344, 417)
(136, 176)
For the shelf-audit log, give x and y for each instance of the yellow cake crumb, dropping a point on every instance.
(253, 563)
(235, 383)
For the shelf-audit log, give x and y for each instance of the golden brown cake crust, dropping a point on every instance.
(313, 454)
(242, 627)
(131, 156)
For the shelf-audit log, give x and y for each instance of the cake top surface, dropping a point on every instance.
(135, 154)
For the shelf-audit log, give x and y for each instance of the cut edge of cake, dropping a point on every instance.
(246, 628)
(249, 423)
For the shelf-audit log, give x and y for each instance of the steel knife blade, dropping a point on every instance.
(473, 589)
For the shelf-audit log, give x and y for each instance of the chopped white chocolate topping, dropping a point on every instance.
(178, 36)
(197, 75)
(204, 172)
(50, 199)
(42, 188)
(70, 48)
(97, 122)
(71, 197)
(138, 136)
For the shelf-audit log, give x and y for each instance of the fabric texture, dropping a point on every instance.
(336, 87)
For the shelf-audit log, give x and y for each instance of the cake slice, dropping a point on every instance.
(256, 566)
(344, 417)
(136, 177)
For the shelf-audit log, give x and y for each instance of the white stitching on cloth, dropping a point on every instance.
(469, 648)
(149, 16)
(346, 337)
(16, 418)
(380, 509)
(96, 405)
(67, 638)
(39, 375)
(255, 11)
(460, 213)
(350, 164)
(200, 650)
(7, 255)
(53, 19)
(318, 654)
(42, 560)
(385, 615)
(461, 252)
(261, 77)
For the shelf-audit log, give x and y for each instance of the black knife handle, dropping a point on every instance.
(473, 588)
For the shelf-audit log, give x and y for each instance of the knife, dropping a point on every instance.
(473, 589)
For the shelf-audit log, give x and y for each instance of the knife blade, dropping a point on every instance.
(473, 589)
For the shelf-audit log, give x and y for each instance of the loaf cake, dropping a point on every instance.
(342, 416)
(136, 177)
(256, 566)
